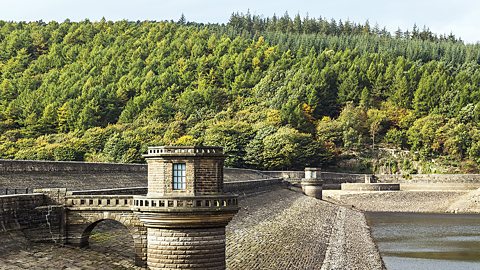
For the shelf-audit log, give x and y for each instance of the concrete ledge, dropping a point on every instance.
(430, 178)
(370, 187)
(438, 186)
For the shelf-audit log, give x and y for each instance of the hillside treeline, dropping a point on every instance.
(276, 93)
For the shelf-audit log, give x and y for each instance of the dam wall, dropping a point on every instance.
(23, 174)
(17, 176)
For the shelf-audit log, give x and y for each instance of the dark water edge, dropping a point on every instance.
(427, 241)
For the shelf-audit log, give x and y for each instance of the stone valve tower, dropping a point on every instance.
(185, 210)
(312, 183)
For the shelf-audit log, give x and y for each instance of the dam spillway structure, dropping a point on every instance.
(312, 184)
(185, 210)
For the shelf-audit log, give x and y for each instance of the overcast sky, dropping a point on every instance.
(462, 17)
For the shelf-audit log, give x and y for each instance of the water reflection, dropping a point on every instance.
(427, 241)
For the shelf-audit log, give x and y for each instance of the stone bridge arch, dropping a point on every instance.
(80, 224)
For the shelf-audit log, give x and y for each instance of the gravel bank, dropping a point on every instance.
(396, 201)
(351, 245)
(468, 203)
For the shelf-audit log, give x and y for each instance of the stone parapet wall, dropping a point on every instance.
(112, 191)
(370, 186)
(238, 174)
(29, 214)
(329, 178)
(22, 174)
(338, 178)
(251, 185)
(237, 186)
(10, 203)
(73, 180)
(13, 166)
(290, 176)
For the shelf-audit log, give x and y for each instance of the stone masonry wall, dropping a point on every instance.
(23, 174)
(290, 176)
(72, 180)
(112, 191)
(29, 214)
(202, 248)
(238, 174)
(14, 210)
(13, 166)
(72, 175)
(251, 185)
(209, 174)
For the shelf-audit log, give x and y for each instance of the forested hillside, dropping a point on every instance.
(276, 93)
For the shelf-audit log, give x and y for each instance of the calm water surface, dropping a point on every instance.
(427, 241)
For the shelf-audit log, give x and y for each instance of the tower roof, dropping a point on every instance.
(184, 151)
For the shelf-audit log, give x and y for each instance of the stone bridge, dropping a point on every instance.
(84, 212)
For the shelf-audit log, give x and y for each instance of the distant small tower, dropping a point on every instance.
(185, 210)
(312, 184)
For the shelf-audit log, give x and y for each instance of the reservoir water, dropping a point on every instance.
(427, 241)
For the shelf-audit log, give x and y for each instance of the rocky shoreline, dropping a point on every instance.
(351, 245)
(408, 201)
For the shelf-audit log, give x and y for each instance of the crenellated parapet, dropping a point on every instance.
(178, 151)
(99, 202)
(181, 203)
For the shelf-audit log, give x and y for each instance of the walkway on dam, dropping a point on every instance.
(278, 229)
